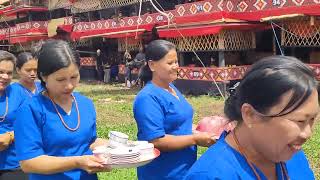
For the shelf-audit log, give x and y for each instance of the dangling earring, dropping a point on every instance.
(250, 126)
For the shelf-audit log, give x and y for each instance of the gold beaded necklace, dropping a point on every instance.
(284, 172)
(2, 118)
(61, 118)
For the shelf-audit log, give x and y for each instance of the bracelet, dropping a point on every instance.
(11, 136)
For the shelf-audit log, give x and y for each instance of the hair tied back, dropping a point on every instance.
(233, 89)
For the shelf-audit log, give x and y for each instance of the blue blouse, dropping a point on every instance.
(157, 113)
(39, 131)
(26, 91)
(221, 161)
(8, 160)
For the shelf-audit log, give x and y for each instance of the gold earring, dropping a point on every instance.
(250, 126)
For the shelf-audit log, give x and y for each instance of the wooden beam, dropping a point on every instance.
(112, 33)
(281, 17)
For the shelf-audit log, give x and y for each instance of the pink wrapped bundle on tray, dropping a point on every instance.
(215, 125)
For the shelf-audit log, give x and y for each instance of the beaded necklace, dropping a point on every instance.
(240, 148)
(61, 118)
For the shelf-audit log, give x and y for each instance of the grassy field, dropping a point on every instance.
(114, 112)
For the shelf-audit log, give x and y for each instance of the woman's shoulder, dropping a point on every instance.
(217, 162)
(82, 98)
(14, 87)
(35, 101)
(39, 86)
(148, 90)
(299, 161)
(32, 104)
(16, 91)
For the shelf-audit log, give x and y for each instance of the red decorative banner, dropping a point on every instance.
(212, 74)
(87, 61)
(220, 74)
(206, 10)
(34, 30)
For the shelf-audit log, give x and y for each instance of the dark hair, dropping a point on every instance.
(23, 58)
(267, 81)
(6, 56)
(155, 51)
(55, 55)
(36, 48)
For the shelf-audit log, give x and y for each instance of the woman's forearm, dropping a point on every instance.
(173, 143)
(50, 164)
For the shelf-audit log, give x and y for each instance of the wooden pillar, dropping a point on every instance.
(222, 63)
(29, 17)
(293, 52)
(100, 15)
(89, 18)
(274, 45)
(181, 59)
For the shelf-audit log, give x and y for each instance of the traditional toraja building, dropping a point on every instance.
(227, 35)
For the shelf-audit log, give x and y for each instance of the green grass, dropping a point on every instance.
(114, 112)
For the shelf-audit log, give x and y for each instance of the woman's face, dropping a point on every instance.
(278, 138)
(6, 72)
(62, 82)
(28, 72)
(166, 68)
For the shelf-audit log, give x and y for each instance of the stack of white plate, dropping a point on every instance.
(123, 156)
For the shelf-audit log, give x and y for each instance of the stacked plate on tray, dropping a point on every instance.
(124, 156)
(121, 153)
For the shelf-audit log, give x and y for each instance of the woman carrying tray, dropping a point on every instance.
(56, 130)
(164, 117)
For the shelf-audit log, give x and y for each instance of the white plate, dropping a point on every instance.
(136, 164)
(124, 151)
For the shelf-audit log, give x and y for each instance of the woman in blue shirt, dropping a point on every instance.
(10, 101)
(56, 130)
(275, 106)
(26, 67)
(164, 117)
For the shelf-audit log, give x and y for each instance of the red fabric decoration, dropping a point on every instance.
(208, 29)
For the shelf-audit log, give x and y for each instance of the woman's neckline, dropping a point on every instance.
(243, 157)
(176, 96)
(35, 90)
(45, 95)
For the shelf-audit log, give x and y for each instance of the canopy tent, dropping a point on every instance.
(111, 32)
(207, 29)
(248, 16)
(13, 11)
(27, 37)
